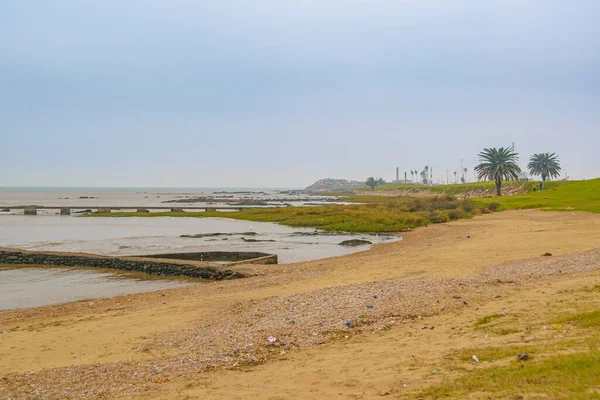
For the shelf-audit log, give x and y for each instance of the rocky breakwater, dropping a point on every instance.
(167, 267)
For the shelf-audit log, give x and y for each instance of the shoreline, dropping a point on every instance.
(438, 258)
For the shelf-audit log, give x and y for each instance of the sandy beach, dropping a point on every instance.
(357, 326)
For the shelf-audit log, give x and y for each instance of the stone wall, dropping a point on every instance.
(139, 264)
(232, 257)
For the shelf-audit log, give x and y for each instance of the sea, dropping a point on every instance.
(48, 231)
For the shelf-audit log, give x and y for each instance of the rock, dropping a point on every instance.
(203, 235)
(523, 356)
(249, 203)
(5, 210)
(355, 242)
(256, 240)
(547, 255)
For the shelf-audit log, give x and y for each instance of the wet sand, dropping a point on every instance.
(145, 345)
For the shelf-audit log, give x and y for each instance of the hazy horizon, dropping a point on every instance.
(182, 94)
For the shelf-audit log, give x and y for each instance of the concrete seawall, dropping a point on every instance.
(150, 265)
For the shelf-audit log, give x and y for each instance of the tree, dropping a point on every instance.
(497, 165)
(424, 177)
(372, 182)
(546, 165)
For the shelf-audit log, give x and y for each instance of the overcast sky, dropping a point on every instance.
(277, 93)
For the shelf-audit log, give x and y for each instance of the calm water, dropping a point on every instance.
(134, 236)
(35, 287)
(138, 236)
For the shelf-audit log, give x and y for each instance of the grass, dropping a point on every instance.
(584, 320)
(448, 189)
(560, 196)
(456, 189)
(379, 215)
(572, 376)
(487, 319)
(564, 369)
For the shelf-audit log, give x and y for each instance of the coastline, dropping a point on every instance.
(160, 330)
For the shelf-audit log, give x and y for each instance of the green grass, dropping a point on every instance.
(487, 319)
(388, 215)
(572, 376)
(455, 189)
(447, 189)
(560, 196)
(584, 320)
(563, 369)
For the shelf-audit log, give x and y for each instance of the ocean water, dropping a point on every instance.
(139, 236)
(31, 287)
(36, 287)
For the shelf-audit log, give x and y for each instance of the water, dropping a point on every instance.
(134, 197)
(139, 236)
(35, 287)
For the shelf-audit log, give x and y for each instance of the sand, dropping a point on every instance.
(182, 343)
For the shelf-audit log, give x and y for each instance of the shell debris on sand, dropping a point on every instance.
(296, 321)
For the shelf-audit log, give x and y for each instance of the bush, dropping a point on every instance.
(437, 217)
(468, 206)
(494, 206)
(457, 214)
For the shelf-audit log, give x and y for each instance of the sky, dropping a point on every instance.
(273, 93)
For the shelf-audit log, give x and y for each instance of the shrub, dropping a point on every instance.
(437, 217)
(494, 206)
(468, 206)
(457, 214)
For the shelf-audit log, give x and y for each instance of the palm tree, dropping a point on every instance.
(412, 176)
(546, 165)
(465, 175)
(498, 164)
(424, 177)
(455, 177)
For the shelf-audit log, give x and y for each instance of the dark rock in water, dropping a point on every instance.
(203, 235)
(320, 233)
(5, 210)
(256, 240)
(88, 211)
(87, 197)
(249, 203)
(355, 242)
(547, 255)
